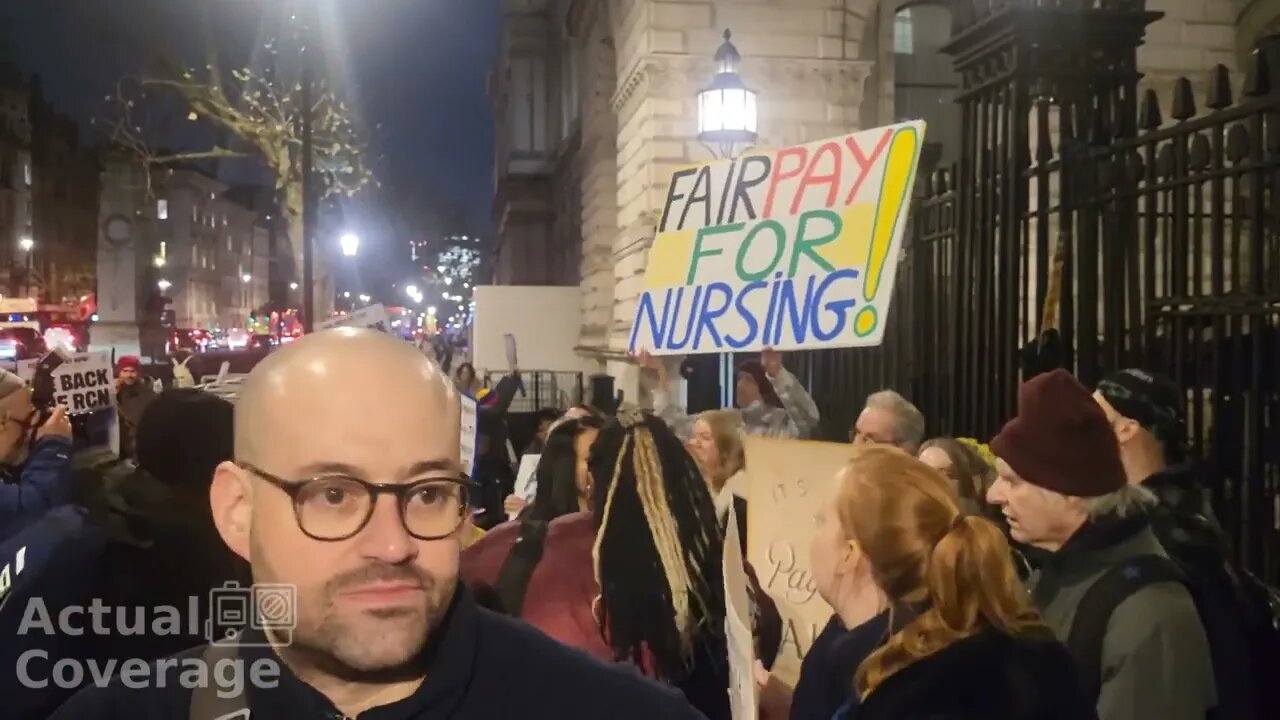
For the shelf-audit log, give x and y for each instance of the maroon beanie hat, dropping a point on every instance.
(1061, 440)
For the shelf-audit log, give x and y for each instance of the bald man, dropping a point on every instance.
(346, 496)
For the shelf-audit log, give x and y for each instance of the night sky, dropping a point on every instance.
(416, 70)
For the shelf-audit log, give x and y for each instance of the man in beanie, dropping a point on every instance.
(1145, 411)
(133, 395)
(35, 456)
(1134, 630)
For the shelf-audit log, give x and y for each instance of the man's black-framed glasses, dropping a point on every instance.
(337, 507)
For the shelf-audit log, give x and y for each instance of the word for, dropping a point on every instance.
(780, 313)
(80, 391)
(100, 619)
(227, 676)
(789, 579)
(711, 196)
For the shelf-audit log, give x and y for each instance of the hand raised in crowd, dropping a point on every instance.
(772, 361)
(513, 505)
(645, 360)
(58, 425)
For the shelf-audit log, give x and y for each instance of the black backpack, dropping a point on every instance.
(1240, 654)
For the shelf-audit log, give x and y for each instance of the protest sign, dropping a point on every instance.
(794, 248)
(470, 427)
(85, 383)
(513, 360)
(789, 482)
(526, 479)
(373, 317)
(743, 703)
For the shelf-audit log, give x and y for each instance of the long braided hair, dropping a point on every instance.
(659, 548)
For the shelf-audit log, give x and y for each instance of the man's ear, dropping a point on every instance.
(231, 500)
(1127, 429)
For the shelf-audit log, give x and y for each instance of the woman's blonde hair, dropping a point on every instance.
(924, 553)
(726, 430)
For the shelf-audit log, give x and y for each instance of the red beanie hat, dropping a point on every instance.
(1061, 440)
(128, 361)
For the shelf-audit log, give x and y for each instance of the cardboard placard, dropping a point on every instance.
(85, 383)
(373, 317)
(791, 249)
(527, 479)
(513, 361)
(790, 480)
(744, 703)
(470, 429)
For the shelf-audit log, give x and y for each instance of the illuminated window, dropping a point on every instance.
(164, 249)
(162, 209)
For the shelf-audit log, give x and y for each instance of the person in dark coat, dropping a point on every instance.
(36, 457)
(1062, 485)
(348, 498)
(133, 394)
(930, 594)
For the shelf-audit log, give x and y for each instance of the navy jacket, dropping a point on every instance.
(480, 665)
(43, 483)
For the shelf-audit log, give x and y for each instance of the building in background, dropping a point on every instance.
(595, 107)
(48, 197)
(179, 250)
(16, 179)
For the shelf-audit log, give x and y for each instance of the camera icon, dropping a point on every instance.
(269, 607)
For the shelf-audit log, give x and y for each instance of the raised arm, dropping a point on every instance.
(802, 416)
(665, 406)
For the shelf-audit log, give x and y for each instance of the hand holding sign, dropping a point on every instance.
(58, 425)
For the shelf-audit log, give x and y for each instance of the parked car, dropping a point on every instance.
(21, 343)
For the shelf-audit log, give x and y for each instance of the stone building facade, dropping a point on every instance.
(595, 108)
(182, 251)
(48, 195)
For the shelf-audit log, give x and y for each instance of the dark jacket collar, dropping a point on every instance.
(448, 657)
(987, 675)
(1097, 545)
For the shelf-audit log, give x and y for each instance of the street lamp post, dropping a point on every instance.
(727, 111)
(727, 118)
(350, 244)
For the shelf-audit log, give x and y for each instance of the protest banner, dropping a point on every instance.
(470, 428)
(526, 479)
(743, 703)
(789, 482)
(85, 383)
(373, 317)
(791, 249)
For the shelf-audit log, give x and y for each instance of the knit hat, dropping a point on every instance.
(1060, 439)
(132, 362)
(183, 435)
(1153, 401)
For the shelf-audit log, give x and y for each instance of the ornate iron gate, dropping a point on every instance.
(1171, 232)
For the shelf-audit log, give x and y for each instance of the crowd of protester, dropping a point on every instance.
(1071, 569)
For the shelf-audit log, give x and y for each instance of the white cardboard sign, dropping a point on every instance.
(85, 383)
(743, 703)
(526, 479)
(470, 428)
(373, 317)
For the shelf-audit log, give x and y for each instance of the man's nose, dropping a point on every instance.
(995, 493)
(385, 537)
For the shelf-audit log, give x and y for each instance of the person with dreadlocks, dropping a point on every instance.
(658, 559)
(772, 402)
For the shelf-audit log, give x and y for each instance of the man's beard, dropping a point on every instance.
(376, 645)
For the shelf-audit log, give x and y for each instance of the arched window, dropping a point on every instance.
(924, 80)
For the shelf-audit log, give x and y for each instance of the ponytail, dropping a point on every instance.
(971, 583)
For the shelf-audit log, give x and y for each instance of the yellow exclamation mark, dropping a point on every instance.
(895, 188)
